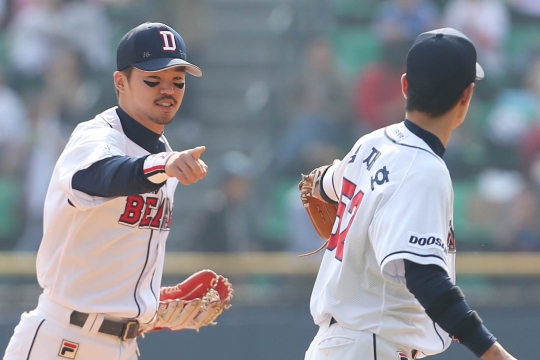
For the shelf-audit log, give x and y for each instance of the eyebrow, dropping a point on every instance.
(158, 77)
(176, 69)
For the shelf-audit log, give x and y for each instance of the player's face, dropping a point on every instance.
(155, 97)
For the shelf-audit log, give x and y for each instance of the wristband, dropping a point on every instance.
(154, 167)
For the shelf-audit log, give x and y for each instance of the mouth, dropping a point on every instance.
(166, 104)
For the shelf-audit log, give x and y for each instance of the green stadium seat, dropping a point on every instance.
(355, 47)
(275, 225)
(471, 232)
(3, 51)
(356, 9)
(523, 37)
(477, 116)
(10, 222)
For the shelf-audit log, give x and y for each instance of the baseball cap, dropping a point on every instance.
(153, 47)
(442, 62)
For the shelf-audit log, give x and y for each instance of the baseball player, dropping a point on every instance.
(108, 212)
(386, 285)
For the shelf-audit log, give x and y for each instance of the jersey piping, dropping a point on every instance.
(142, 272)
(410, 252)
(108, 123)
(439, 335)
(34, 339)
(429, 138)
(411, 146)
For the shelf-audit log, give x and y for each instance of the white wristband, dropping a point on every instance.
(154, 167)
(328, 183)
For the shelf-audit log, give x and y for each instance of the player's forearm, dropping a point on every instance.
(114, 176)
(445, 304)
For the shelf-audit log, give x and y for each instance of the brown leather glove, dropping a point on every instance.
(321, 213)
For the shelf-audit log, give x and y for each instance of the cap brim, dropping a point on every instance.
(165, 63)
(479, 72)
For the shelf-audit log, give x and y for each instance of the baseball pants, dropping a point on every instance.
(46, 334)
(334, 342)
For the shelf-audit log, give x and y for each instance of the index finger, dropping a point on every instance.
(196, 152)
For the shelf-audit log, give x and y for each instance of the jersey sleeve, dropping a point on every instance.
(86, 146)
(333, 178)
(414, 223)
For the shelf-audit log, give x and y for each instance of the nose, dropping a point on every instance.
(167, 89)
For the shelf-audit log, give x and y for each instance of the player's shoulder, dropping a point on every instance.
(107, 121)
(402, 138)
(410, 154)
(104, 127)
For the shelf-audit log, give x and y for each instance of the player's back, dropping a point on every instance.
(389, 177)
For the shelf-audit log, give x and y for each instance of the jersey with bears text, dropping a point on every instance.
(103, 255)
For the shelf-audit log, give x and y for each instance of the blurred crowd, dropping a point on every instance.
(57, 57)
(494, 158)
(56, 64)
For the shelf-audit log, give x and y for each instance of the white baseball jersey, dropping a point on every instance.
(103, 255)
(395, 202)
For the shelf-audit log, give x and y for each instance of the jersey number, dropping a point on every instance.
(347, 210)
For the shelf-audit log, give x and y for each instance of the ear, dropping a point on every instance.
(467, 95)
(404, 85)
(120, 81)
(463, 104)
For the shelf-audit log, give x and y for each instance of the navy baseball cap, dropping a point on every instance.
(153, 47)
(442, 62)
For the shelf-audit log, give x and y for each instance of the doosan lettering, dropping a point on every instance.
(427, 241)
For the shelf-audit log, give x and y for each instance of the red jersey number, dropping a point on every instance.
(347, 209)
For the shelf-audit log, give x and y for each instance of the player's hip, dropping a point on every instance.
(114, 303)
(334, 342)
(38, 337)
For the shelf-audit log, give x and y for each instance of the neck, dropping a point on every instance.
(140, 118)
(440, 126)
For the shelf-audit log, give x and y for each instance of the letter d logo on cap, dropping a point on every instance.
(169, 44)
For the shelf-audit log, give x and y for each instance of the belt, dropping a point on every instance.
(414, 352)
(124, 329)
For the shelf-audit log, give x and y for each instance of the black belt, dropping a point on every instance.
(414, 352)
(124, 329)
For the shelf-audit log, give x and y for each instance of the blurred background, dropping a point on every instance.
(288, 85)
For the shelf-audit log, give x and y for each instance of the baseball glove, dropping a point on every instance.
(321, 213)
(192, 304)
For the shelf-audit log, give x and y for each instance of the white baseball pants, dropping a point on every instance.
(334, 342)
(46, 334)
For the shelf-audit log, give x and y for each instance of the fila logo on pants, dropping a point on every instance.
(68, 349)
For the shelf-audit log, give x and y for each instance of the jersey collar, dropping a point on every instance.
(429, 138)
(138, 133)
